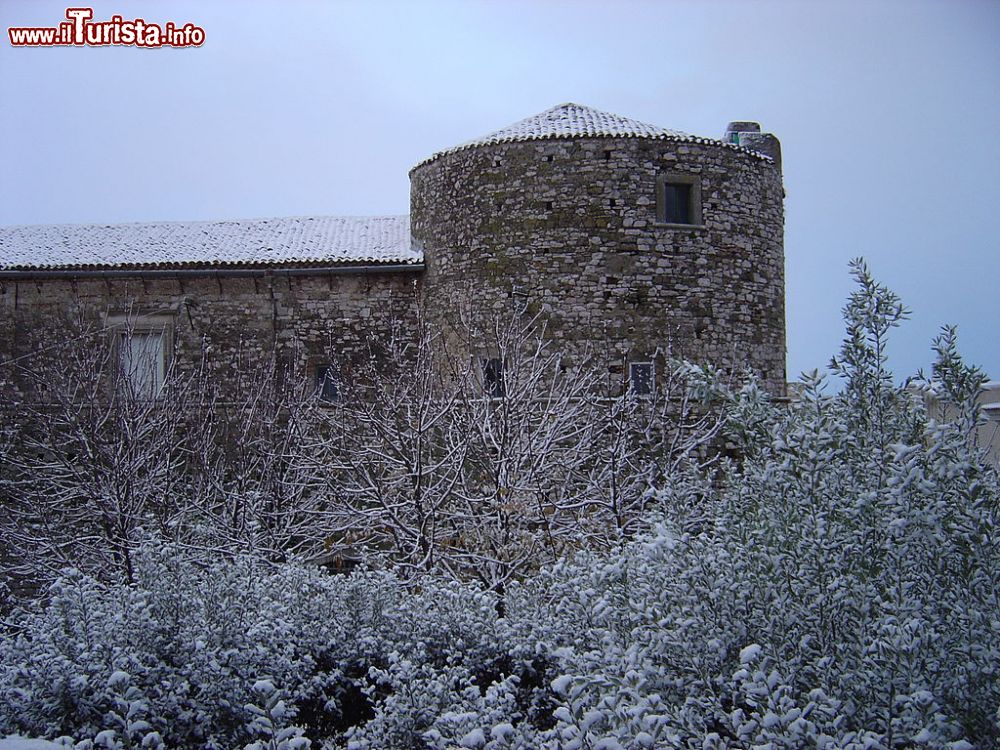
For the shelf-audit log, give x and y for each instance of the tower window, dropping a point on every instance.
(493, 376)
(640, 378)
(677, 203)
(327, 384)
(678, 199)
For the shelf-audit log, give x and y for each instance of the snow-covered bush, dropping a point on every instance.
(836, 588)
(843, 592)
(228, 652)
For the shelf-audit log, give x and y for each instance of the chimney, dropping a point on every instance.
(748, 135)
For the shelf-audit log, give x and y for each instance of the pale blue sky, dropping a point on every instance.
(888, 112)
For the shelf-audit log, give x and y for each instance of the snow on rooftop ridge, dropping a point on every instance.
(307, 240)
(579, 121)
(572, 120)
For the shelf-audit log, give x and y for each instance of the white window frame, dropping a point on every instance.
(126, 330)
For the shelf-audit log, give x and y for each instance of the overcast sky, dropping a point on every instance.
(888, 113)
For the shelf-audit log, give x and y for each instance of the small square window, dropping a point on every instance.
(328, 383)
(678, 200)
(640, 378)
(676, 203)
(493, 376)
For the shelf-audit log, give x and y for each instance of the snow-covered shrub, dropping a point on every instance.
(268, 721)
(837, 588)
(855, 547)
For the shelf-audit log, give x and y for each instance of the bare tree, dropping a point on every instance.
(393, 462)
(100, 458)
(527, 432)
(260, 488)
(477, 455)
(642, 442)
(492, 453)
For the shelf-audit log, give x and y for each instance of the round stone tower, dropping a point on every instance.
(637, 240)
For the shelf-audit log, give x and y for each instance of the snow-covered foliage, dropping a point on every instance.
(23, 743)
(225, 653)
(836, 588)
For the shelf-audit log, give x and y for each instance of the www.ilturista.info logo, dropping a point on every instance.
(80, 31)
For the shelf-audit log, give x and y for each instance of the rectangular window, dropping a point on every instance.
(143, 362)
(493, 377)
(141, 346)
(328, 383)
(678, 199)
(640, 378)
(676, 204)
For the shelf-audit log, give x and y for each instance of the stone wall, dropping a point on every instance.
(570, 228)
(307, 320)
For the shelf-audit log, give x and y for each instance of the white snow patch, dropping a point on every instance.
(118, 678)
(561, 683)
(475, 738)
(13, 742)
(305, 240)
(263, 687)
(750, 654)
(579, 121)
(500, 731)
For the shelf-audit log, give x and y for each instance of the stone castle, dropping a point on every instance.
(640, 241)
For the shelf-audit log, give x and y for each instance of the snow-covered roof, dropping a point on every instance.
(302, 241)
(578, 121)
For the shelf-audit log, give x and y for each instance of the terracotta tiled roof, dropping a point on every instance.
(311, 240)
(578, 121)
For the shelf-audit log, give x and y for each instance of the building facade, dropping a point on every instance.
(633, 240)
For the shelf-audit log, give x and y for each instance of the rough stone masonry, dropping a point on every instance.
(634, 240)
